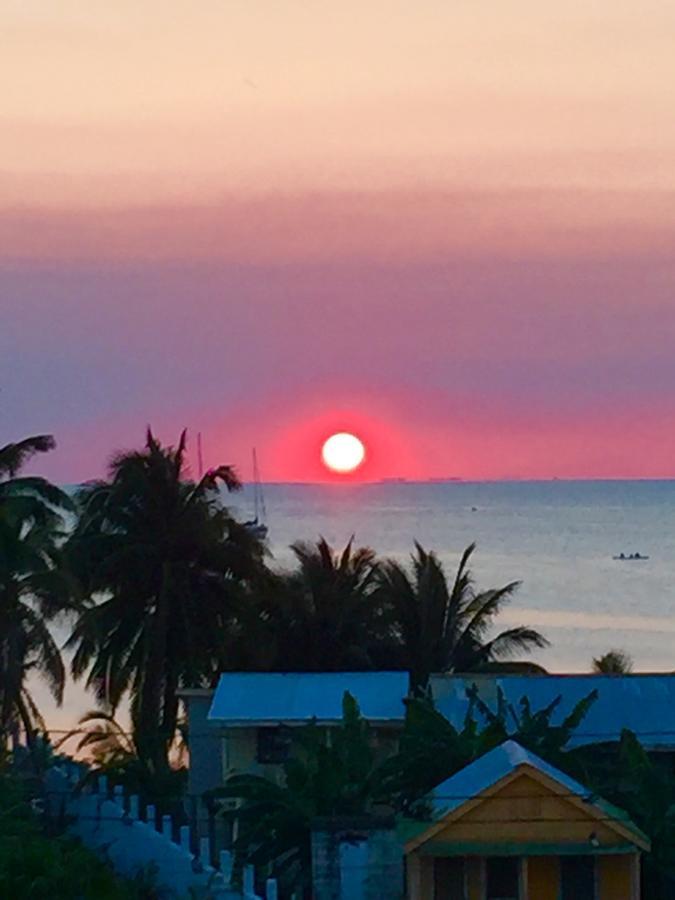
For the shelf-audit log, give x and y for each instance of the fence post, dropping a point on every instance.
(133, 807)
(167, 827)
(205, 851)
(118, 794)
(249, 881)
(151, 815)
(226, 863)
(193, 818)
(271, 892)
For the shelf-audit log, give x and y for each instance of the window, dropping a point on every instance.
(577, 878)
(503, 878)
(449, 879)
(273, 745)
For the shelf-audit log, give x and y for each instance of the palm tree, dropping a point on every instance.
(166, 561)
(614, 662)
(34, 588)
(444, 628)
(322, 616)
(111, 749)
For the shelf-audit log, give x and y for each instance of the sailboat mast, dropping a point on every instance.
(257, 526)
(258, 498)
(200, 459)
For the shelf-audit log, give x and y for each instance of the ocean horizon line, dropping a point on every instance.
(450, 480)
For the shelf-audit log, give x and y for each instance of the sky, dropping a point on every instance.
(446, 226)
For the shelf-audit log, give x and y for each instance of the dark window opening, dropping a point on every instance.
(503, 878)
(273, 745)
(449, 879)
(577, 878)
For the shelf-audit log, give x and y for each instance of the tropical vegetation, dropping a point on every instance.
(34, 587)
(112, 750)
(324, 777)
(324, 615)
(170, 589)
(432, 749)
(614, 662)
(163, 564)
(39, 862)
(447, 627)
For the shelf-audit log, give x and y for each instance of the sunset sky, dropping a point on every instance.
(446, 226)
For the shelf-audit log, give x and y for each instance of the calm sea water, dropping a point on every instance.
(558, 538)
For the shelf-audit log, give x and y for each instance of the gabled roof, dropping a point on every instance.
(487, 770)
(508, 758)
(294, 698)
(643, 703)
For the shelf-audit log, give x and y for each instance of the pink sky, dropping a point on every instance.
(449, 227)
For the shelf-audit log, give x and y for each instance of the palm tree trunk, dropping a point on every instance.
(11, 674)
(26, 722)
(151, 748)
(170, 706)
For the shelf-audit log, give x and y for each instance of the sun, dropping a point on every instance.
(343, 452)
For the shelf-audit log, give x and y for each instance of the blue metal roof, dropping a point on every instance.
(643, 703)
(262, 698)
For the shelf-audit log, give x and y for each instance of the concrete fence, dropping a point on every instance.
(109, 823)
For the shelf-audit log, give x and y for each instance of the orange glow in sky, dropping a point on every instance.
(445, 227)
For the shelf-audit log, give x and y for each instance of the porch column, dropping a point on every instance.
(635, 876)
(523, 887)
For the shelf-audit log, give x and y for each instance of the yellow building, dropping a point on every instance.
(511, 827)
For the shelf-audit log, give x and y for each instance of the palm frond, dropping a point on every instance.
(513, 640)
(14, 456)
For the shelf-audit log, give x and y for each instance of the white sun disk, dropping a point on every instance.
(343, 452)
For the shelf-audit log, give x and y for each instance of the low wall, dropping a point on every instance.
(112, 827)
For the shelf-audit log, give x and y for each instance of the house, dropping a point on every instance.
(246, 724)
(511, 827)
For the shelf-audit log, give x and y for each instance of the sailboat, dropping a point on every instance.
(256, 526)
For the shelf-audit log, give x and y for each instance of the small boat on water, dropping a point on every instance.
(256, 526)
(630, 557)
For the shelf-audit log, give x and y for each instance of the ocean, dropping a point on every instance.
(558, 538)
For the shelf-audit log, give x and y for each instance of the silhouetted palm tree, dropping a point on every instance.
(446, 628)
(111, 750)
(166, 561)
(322, 616)
(33, 586)
(614, 662)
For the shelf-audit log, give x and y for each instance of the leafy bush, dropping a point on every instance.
(38, 866)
